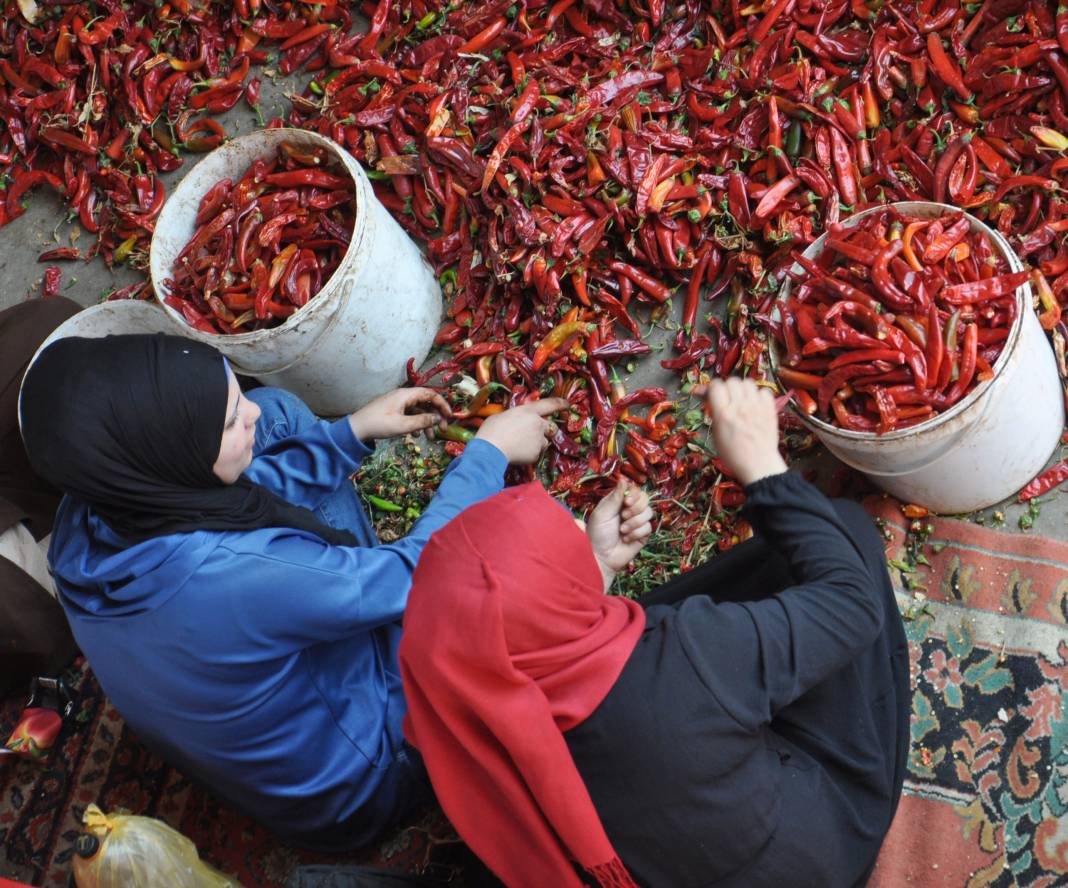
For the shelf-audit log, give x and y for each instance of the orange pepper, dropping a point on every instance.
(906, 240)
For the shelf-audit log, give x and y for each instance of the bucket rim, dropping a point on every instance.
(1023, 303)
(140, 311)
(269, 137)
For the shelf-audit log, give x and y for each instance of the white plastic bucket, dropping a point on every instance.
(988, 445)
(352, 340)
(107, 319)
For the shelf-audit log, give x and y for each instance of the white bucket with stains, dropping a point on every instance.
(351, 342)
(988, 445)
(124, 316)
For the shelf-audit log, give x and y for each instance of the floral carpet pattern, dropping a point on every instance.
(986, 798)
(98, 759)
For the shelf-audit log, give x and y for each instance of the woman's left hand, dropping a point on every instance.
(619, 526)
(400, 412)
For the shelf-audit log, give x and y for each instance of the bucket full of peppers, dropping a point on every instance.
(275, 251)
(907, 338)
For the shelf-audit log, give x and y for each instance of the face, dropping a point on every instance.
(239, 433)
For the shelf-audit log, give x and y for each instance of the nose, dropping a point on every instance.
(254, 414)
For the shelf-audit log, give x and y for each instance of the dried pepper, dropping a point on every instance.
(265, 245)
(1045, 482)
(601, 156)
(889, 352)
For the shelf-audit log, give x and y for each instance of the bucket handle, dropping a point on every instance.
(908, 470)
(327, 327)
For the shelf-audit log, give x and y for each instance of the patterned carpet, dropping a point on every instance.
(987, 792)
(98, 759)
(986, 799)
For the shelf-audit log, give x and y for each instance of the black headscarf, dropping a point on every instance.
(132, 426)
(24, 496)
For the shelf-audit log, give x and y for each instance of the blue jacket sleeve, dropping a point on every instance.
(321, 593)
(759, 656)
(305, 468)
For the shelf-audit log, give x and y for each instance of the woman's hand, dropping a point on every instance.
(521, 432)
(745, 429)
(400, 412)
(618, 528)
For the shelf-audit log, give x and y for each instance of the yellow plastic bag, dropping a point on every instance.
(139, 852)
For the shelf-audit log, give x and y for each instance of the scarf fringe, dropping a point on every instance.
(612, 875)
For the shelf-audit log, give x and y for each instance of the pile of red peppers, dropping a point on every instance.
(580, 163)
(263, 246)
(897, 320)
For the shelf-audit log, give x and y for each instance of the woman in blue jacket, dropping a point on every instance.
(223, 580)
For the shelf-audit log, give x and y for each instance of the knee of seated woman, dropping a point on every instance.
(862, 531)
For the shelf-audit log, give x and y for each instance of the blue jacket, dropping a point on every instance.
(262, 663)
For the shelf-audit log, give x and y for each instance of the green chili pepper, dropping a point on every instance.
(383, 505)
(793, 139)
(458, 433)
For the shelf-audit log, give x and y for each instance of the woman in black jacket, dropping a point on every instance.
(747, 726)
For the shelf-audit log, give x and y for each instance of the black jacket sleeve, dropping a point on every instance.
(759, 656)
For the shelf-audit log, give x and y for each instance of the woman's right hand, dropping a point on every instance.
(745, 429)
(521, 433)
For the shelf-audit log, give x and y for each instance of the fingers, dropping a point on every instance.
(431, 398)
(734, 394)
(718, 398)
(419, 422)
(546, 406)
(610, 505)
(639, 534)
(635, 502)
(442, 406)
(631, 526)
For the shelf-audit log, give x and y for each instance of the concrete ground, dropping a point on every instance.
(44, 226)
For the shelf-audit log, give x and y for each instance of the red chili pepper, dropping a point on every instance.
(843, 166)
(967, 365)
(53, 277)
(23, 182)
(772, 198)
(63, 139)
(484, 37)
(100, 30)
(946, 68)
(693, 290)
(651, 286)
(981, 291)
(59, 253)
(1040, 182)
(610, 89)
(1045, 482)
(939, 247)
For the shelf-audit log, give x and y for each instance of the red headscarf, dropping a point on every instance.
(508, 641)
